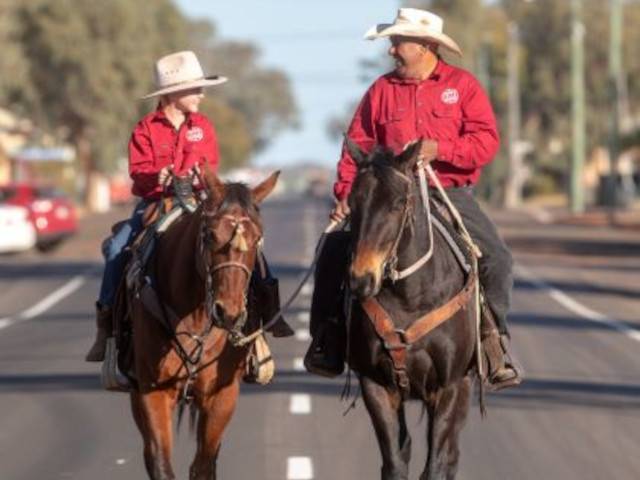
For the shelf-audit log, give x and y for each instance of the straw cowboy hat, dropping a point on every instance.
(413, 22)
(181, 71)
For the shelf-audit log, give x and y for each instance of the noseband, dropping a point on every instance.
(235, 334)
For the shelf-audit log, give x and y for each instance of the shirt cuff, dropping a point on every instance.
(341, 190)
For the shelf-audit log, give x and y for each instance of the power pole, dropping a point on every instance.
(515, 172)
(578, 107)
(615, 80)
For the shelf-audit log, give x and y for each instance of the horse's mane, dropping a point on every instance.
(238, 193)
(381, 164)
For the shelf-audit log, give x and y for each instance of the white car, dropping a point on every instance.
(17, 232)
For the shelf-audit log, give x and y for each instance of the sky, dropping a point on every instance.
(319, 44)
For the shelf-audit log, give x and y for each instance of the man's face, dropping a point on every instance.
(188, 101)
(409, 54)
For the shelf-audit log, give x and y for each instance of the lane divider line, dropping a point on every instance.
(47, 302)
(307, 290)
(298, 364)
(299, 468)
(576, 307)
(302, 335)
(300, 404)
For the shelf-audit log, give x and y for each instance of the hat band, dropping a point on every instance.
(183, 82)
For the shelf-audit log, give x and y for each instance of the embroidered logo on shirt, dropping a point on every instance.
(450, 96)
(195, 134)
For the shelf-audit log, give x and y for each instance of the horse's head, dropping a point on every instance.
(381, 202)
(231, 232)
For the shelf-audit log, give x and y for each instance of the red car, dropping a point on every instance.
(52, 213)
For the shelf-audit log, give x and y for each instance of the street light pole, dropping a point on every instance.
(578, 107)
(615, 76)
(515, 172)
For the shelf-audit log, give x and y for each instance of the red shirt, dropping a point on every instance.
(155, 143)
(450, 107)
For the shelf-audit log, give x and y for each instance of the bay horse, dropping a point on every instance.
(394, 360)
(201, 269)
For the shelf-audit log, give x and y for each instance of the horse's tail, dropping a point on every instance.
(193, 413)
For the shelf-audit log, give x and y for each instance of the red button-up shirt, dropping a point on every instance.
(155, 143)
(450, 107)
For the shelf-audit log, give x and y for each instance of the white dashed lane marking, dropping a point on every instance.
(300, 404)
(299, 468)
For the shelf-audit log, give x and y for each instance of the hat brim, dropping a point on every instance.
(388, 29)
(201, 83)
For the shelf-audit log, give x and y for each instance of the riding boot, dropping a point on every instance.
(104, 321)
(267, 298)
(503, 370)
(326, 354)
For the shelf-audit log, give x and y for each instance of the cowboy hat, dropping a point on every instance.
(181, 71)
(413, 22)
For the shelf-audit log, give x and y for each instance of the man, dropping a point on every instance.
(426, 98)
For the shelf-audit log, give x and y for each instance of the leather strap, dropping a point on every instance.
(397, 341)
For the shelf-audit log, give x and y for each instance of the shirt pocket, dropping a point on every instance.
(393, 130)
(447, 121)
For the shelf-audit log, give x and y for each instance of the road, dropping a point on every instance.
(575, 324)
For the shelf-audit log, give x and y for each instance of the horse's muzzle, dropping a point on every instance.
(228, 320)
(363, 286)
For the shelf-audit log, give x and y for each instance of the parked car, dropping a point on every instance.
(51, 212)
(17, 232)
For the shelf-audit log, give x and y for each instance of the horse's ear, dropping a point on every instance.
(214, 185)
(408, 158)
(359, 156)
(262, 191)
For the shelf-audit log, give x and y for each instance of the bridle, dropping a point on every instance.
(209, 269)
(391, 262)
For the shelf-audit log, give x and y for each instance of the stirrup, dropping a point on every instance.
(110, 378)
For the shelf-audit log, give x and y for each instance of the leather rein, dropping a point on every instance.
(398, 341)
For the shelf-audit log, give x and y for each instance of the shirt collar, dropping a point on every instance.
(435, 76)
(159, 116)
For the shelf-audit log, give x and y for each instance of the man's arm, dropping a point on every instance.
(363, 133)
(479, 140)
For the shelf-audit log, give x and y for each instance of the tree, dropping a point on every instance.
(85, 64)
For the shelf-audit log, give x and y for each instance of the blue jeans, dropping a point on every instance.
(114, 259)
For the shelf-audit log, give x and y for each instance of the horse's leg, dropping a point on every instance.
(447, 415)
(387, 414)
(215, 413)
(153, 415)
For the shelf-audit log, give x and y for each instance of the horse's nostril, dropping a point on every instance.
(218, 311)
(363, 286)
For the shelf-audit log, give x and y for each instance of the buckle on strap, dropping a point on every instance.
(403, 345)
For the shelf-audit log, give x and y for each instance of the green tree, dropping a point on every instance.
(80, 67)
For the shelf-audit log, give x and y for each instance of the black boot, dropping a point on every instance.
(266, 290)
(326, 354)
(104, 322)
(503, 369)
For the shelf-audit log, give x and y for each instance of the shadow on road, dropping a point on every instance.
(22, 270)
(573, 246)
(534, 393)
(535, 320)
(580, 287)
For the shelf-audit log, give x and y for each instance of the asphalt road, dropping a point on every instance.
(575, 323)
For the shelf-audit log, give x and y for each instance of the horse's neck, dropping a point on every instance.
(179, 282)
(436, 281)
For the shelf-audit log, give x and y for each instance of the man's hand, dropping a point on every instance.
(163, 174)
(340, 211)
(428, 151)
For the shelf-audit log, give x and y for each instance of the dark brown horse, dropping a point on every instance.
(201, 270)
(389, 225)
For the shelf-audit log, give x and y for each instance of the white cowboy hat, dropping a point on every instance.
(181, 71)
(413, 22)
